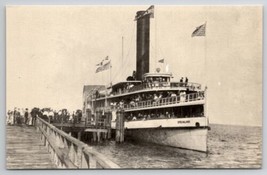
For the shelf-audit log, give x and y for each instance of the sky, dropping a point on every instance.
(52, 52)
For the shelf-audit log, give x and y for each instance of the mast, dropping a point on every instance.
(122, 50)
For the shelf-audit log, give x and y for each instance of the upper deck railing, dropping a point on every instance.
(165, 101)
(182, 99)
(68, 152)
(159, 85)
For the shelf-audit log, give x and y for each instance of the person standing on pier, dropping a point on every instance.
(10, 118)
(26, 115)
(17, 117)
(30, 119)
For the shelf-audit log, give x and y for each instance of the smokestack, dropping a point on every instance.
(142, 44)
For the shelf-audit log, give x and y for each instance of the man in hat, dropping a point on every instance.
(18, 121)
(26, 114)
(15, 115)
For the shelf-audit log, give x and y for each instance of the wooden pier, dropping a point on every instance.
(25, 150)
(47, 147)
(78, 130)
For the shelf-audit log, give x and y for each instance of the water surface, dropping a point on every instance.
(229, 147)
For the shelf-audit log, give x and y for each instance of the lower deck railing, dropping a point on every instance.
(68, 152)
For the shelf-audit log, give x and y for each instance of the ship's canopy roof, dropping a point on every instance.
(157, 74)
(90, 89)
(123, 83)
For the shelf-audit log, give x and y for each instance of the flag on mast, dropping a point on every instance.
(199, 31)
(106, 58)
(161, 61)
(102, 66)
(106, 66)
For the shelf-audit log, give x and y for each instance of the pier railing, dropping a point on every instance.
(68, 152)
(165, 101)
(99, 124)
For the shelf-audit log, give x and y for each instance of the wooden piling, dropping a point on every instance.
(108, 123)
(94, 136)
(97, 117)
(98, 136)
(120, 126)
(79, 135)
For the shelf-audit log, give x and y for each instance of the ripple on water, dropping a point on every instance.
(229, 147)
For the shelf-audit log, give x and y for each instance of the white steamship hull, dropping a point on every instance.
(186, 133)
(187, 138)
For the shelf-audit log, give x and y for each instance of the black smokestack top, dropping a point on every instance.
(142, 44)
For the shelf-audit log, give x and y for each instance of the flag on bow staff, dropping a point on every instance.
(161, 61)
(101, 63)
(200, 31)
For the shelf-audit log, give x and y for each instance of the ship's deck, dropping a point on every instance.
(182, 100)
(156, 86)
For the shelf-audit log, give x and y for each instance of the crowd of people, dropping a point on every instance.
(21, 116)
(148, 83)
(187, 112)
(154, 98)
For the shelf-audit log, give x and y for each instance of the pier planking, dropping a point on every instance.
(25, 150)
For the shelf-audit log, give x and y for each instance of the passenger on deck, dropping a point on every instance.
(144, 117)
(130, 86)
(121, 104)
(168, 115)
(173, 94)
(160, 96)
(139, 116)
(161, 116)
(132, 103)
(186, 81)
(182, 80)
(131, 116)
(155, 97)
(182, 96)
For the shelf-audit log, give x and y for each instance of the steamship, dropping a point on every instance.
(155, 108)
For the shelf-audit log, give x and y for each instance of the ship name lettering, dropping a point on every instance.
(183, 121)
